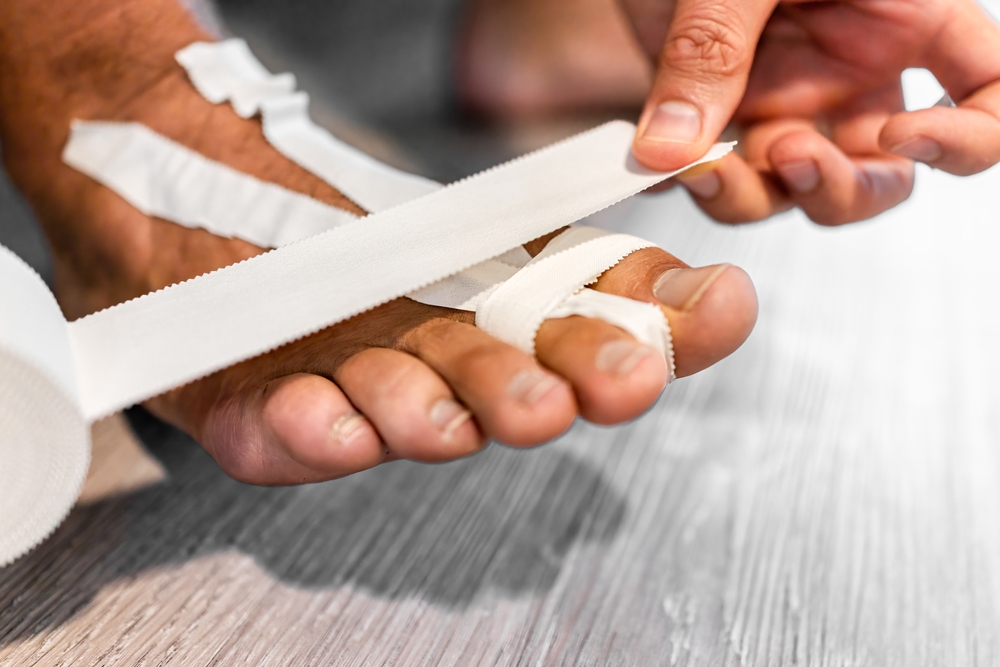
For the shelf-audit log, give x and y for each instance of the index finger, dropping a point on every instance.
(964, 53)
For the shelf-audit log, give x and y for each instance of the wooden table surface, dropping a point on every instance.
(829, 495)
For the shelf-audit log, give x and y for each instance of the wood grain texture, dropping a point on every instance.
(828, 496)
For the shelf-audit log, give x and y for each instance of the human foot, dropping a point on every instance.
(402, 381)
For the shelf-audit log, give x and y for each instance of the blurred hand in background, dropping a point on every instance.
(811, 89)
(815, 89)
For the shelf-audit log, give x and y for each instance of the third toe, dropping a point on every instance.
(615, 377)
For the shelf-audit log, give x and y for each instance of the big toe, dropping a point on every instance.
(711, 310)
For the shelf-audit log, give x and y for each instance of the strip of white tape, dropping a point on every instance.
(44, 438)
(228, 71)
(515, 310)
(643, 320)
(139, 349)
(136, 350)
(165, 179)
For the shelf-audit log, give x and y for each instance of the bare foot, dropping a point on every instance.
(518, 58)
(403, 381)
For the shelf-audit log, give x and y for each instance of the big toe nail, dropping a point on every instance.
(712, 311)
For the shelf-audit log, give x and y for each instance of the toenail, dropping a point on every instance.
(801, 176)
(530, 386)
(346, 428)
(681, 289)
(621, 356)
(448, 414)
(919, 149)
(704, 186)
(677, 122)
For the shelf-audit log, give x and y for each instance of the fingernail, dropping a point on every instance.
(448, 415)
(705, 186)
(883, 178)
(919, 149)
(346, 428)
(801, 176)
(681, 289)
(621, 356)
(530, 386)
(678, 122)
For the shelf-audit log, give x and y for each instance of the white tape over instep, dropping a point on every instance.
(56, 377)
(136, 162)
(228, 71)
(515, 310)
(163, 178)
(137, 350)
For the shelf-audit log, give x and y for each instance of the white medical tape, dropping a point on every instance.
(228, 71)
(163, 178)
(55, 378)
(160, 177)
(44, 439)
(643, 320)
(136, 162)
(516, 309)
(137, 350)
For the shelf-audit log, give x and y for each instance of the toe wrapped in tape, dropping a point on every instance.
(552, 284)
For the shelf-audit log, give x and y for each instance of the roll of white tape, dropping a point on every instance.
(44, 437)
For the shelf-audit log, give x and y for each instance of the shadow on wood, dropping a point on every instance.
(499, 522)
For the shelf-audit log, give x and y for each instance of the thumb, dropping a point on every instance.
(701, 78)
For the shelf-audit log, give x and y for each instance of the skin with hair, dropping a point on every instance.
(402, 381)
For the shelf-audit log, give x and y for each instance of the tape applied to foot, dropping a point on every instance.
(228, 72)
(165, 179)
(56, 377)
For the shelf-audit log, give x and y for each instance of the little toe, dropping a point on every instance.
(615, 377)
(411, 407)
(515, 400)
(711, 309)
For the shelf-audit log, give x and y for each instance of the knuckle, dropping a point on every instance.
(710, 39)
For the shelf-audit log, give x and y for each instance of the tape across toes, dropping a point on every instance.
(511, 294)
